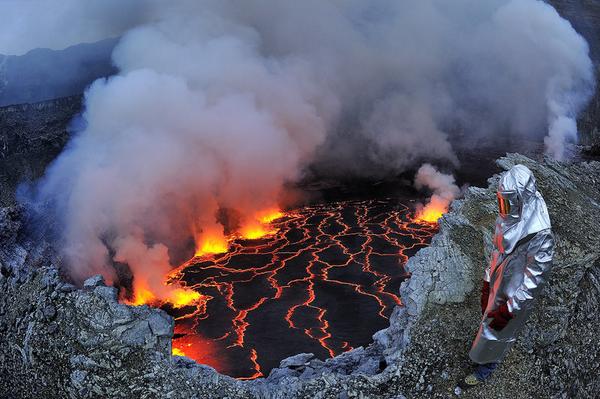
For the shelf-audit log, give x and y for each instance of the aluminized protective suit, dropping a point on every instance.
(520, 262)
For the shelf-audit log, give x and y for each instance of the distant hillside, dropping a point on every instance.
(31, 136)
(44, 74)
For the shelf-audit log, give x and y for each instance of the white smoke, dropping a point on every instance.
(561, 57)
(444, 191)
(219, 103)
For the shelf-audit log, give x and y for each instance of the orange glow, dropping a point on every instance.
(142, 296)
(181, 297)
(434, 210)
(211, 245)
(256, 230)
(431, 215)
(177, 352)
(269, 215)
(201, 349)
(178, 297)
(195, 335)
(260, 226)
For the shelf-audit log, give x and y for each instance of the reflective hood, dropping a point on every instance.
(523, 210)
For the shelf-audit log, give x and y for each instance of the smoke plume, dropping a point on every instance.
(218, 104)
(444, 191)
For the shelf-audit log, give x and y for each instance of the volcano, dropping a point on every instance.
(323, 282)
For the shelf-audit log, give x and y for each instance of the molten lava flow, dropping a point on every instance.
(177, 297)
(296, 289)
(254, 360)
(258, 226)
(434, 210)
(211, 245)
(254, 231)
(270, 215)
(181, 297)
(142, 296)
(261, 226)
(444, 191)
(177, 352)
(197, 347)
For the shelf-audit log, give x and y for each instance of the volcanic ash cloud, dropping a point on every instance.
(219, 104)
(172, 140)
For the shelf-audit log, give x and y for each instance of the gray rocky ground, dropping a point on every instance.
(60, 341)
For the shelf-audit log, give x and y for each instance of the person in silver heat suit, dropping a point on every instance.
(520, 265)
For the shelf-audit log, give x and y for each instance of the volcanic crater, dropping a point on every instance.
(324, 280)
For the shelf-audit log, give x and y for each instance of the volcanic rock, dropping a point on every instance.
(296, 361)
(91, 346)
(95, 281)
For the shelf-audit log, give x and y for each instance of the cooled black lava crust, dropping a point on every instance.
(324, 283)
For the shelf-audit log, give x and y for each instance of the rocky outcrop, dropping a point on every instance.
(555, 356)
(60, 341)
(31, 136)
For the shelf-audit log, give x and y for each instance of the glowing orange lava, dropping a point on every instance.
(177, 297)
(261, 226)
(195, 346)
(177, 352)
(258, 226)
(434, 210)
(181, 297)
(354, 247)
(211, 245)
(255, 231)
(270, 215)
(207, 244)
(142, 296)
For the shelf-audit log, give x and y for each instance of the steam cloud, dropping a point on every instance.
(444, 191)
(219, 103)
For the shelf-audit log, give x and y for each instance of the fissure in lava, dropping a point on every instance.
(323, 282)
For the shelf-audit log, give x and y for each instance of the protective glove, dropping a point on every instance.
(485, 294)
(500, 316)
